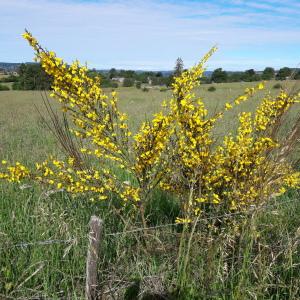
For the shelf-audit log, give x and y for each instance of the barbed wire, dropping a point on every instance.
(57, 241)
(40, 243)
(200, 220)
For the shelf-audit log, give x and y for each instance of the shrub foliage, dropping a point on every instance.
(4, 87)
(211, 89)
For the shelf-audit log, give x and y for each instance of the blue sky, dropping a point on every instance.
(152, 34)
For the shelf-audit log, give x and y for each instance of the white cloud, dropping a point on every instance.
(144, 34)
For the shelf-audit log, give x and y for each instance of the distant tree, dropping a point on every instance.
(219, 75)
(32, 77)
(268, 73)
(157, 80)
(297, 75)
(142, 77)
(128, 82)
(112, 73)
(205, 79)
(283, 73)
(93, 73)
(250, 72)
(10, 78)
(127, 74)
(250, 75)
(178, 67)
(149, 74)
(106, 82)
(168, 80)
(235, 77)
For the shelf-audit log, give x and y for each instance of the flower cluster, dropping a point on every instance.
(101, 128)
(15, 173)
(150, 145)
(271, 109)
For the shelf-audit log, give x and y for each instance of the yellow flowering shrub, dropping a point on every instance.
(175, 151)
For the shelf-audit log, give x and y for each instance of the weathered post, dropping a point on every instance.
(95, 235)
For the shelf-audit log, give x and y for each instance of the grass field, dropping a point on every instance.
(262, 263)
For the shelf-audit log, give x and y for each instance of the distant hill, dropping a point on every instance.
(9, 67)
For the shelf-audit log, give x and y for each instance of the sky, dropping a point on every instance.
(150, 35)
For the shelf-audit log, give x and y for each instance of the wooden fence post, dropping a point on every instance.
(95, 235)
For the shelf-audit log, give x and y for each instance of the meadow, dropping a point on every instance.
(261, 262)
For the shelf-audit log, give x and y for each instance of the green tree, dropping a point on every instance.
(205, 79)
(157, 80)
(219, 75)
(178, 67)
(112, 73)
(250, 75)
(268, 73)
(168, 80)
(127, 73)
(283, 73)
(93, 73)
(235, 77)
(32, 77)
(10, 78)
(297, 75)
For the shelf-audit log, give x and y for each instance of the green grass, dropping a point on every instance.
(261, 262)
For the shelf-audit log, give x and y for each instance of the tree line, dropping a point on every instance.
(269, 73)
(32, 77)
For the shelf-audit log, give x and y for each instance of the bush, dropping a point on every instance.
(277, 86)
(138, 84)
(4, 87)
(114, 85)
(163, 89)
(10, 78)
(107, 83)
(211, 89)
(145, 89)
(16, 86)
(128, 82)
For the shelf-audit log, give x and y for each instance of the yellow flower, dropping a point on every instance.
(228, 106)
(183, 220)
(261, 86)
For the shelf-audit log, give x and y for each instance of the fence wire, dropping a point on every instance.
(58, 241)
